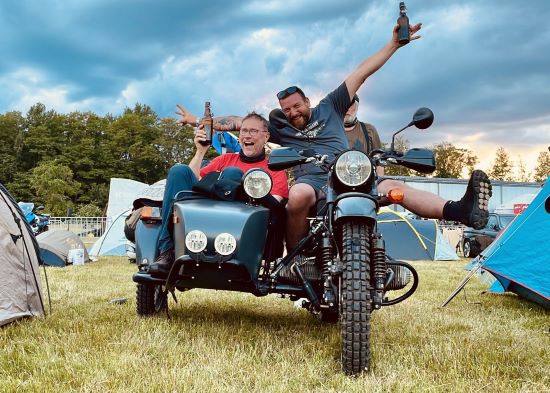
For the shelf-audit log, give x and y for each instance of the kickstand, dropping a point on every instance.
(174, 296)
(165, 295)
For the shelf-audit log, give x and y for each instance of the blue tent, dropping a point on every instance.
(113, 241)
(518, 258)
(413, 240)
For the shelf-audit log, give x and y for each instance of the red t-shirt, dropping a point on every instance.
(280, 182)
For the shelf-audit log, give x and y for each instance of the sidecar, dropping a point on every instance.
(219, 243)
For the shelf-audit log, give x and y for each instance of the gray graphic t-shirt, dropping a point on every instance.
(324, 132)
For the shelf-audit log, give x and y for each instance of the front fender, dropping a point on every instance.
(356, 206)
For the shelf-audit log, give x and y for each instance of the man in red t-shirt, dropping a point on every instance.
(253, 136)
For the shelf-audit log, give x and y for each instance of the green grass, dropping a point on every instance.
(219, 341)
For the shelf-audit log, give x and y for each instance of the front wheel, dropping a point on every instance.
(150, 299)
(355, 297)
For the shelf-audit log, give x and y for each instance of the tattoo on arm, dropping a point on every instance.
(228, 123)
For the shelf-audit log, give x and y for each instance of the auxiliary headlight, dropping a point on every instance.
(353, 168)
(225, 243)
(195, 241)
(257, 183)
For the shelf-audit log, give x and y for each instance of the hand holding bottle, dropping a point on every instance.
(403, 32)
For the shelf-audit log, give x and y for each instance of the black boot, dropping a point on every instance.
(163, 263)
(473, 209)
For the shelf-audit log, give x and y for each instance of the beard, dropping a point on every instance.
(350, 120)
(299, 122)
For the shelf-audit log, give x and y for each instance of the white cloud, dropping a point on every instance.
(27, 86)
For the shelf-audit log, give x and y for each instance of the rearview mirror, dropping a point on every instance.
(423, 118)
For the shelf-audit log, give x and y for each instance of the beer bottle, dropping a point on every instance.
(208, 124)
(403, 35)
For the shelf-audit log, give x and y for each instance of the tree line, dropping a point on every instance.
(454, 162)
(66, 161)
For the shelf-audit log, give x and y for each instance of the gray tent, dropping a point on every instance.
(55, 247)
(20, 290)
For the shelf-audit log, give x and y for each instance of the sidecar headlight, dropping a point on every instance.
(353, 168)
(257, 183)
(195, 241)
(225, 243)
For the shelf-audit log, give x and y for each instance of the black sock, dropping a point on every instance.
(453, 211)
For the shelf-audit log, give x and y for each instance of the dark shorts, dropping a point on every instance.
(317, 182)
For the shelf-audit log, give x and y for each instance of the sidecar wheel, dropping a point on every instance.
(355, 298)
(150, 299)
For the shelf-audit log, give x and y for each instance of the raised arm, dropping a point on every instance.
(221, 123)
(370, 65)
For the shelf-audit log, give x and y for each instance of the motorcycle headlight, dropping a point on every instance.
(353, 168)
(225, 243)
(257, 183)
(195, 241)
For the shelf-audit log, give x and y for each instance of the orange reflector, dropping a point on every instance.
(176, 219)
(146, 212)
(396, 195)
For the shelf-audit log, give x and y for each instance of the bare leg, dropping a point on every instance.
(301, 199)
(423, 203)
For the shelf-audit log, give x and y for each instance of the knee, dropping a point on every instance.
(300, 199)
(232, 173)
(178, 171)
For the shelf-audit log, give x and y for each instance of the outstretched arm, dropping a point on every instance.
(370, 65)
(222, 123)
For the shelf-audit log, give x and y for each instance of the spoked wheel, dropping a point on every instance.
(355, 298)
(150, 299)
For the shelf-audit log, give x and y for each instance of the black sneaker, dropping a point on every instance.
(475, 201)
(163, 263)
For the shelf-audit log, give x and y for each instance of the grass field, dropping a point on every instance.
(232, 342)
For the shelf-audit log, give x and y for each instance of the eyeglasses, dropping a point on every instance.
(251, 131)
(288, 91)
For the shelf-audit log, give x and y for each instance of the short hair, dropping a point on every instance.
(257, 116)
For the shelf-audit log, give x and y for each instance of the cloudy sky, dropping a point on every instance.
(482, 66)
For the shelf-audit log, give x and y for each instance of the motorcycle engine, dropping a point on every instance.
(307, 265)
(401, 279)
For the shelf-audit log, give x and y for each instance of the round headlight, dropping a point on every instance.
(353, 168)
(257, 183)
(225, 243)
(195, 241)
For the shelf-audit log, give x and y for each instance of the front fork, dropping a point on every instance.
(378, 269)
(331, 271)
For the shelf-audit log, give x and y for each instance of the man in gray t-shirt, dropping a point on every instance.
(326, 122)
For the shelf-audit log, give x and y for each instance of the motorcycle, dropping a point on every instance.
(39, 222)
(340, 267)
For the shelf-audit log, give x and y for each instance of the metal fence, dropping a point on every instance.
(81, 226)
